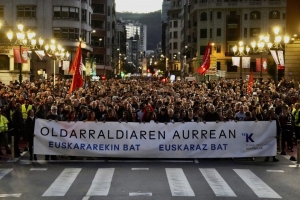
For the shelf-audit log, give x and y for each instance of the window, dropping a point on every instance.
(62, 12)
(4, 62)
(108, 10)
(66, 33)
(283, 15)
(203, 33)
(245, 16)
(170, 24)
(98, 24)
(203, 16)
(254, 32)
(1, 12)
(219, 32)
(210, 33)
(83, 15)
(170, 46)
(175, 24)
(175, 45)
(171, 35)
(97, 41)
(26, 12)
(211, 15)
(230, 67)
(255, 15)
(83, 35)
(218, 48)
(245, 32)
(108, 26)
(274, 14)
(219, 15)
(175, 34)
(202, 50)
(98, 8)
(218, 65)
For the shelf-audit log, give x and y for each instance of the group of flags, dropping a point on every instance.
(206, 64)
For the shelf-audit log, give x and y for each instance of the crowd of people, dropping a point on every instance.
(139, 100)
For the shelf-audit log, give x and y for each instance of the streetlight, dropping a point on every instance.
(277, 50)
(240, 51)
(264, 40)
(21, 40)
(56, 52)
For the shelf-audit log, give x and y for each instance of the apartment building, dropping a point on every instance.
(65, 21)
(104, 37)
(224, 23)
(173, 37)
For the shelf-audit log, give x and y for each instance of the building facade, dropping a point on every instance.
(65, 21)
(224, 23)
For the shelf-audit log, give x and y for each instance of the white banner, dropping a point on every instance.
(280, 58)
(150, 140)
(236, 61)
(246, 62)
(275, 57)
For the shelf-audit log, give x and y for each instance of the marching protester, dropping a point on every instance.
(18, 125)
(153, 100)
(29, 126)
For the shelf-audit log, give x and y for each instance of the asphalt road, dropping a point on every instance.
(136, 179)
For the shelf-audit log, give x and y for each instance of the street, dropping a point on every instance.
(149, 179)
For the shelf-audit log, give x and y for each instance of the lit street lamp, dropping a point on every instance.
(23, 39)
(259, 47)
(56, 52)
(240, 52)
(277, 50)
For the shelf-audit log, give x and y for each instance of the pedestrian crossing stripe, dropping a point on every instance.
(178, 183)
(217, 183)
(101, 183)
(260, 188)
(62, 183)
(3, 172)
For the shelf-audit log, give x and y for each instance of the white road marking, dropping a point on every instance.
(178, 182)
(3, 172)
(270, 170)
(38, 169)
(10, 195)
(217, 183)
(139, 169)
(260, 188)
(133, 194)
(86, 198)
(102, 182)
(63, 182)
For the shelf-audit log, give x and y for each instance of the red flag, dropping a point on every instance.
(205, 61)
(77, 59)
(24, 54)
(77, 80)
(250, 83)
(17, 55)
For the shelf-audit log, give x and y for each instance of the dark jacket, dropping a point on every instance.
(17, 119)
(29, 126)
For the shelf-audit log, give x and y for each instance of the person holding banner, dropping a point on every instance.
(18, 125)
(272, 116)
(91, 117)
(52, 116)
(29, 126)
